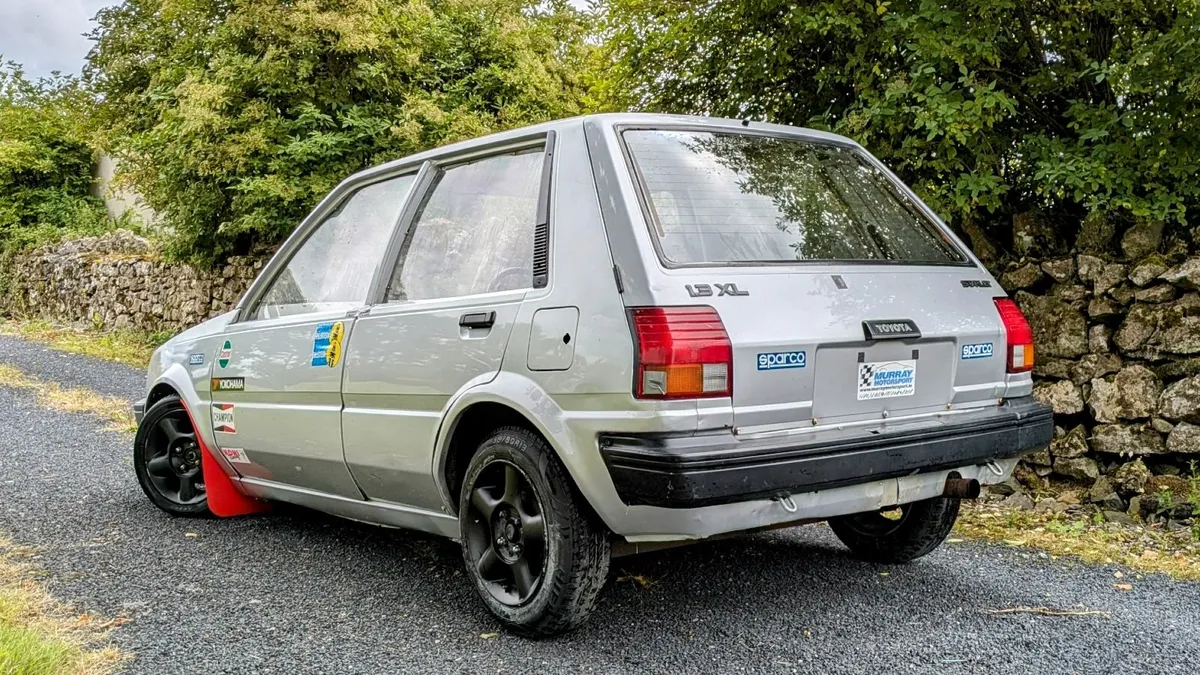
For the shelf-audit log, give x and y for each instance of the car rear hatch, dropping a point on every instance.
(844, 299)
(824, 348)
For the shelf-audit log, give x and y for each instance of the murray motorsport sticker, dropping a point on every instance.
(327, 344)
(223, 419)
(235, 455)
(885, 379)
(224, 354)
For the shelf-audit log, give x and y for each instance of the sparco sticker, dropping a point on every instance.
(885, 379)
(223, 419)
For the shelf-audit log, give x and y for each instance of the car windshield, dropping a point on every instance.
(742, 198)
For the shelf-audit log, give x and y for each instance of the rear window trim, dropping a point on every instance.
(653, 225)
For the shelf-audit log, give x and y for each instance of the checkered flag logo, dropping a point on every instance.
(866, 374)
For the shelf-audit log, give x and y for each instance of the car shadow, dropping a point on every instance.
(771, 577)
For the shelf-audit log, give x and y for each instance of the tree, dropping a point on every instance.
(232, 118)
(989, 108)
(45, 162)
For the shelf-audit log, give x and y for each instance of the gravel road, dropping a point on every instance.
(299, 592)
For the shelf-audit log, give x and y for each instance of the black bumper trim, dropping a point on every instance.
(716, 467)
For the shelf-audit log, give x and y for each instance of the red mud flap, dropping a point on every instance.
(224, 500)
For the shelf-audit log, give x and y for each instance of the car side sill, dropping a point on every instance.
(369, 511)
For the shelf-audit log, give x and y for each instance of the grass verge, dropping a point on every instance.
(1143, 548)
(40, 636)
(132, 348)
(114, 411)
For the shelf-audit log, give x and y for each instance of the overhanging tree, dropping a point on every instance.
(990, 108)
(232, 118)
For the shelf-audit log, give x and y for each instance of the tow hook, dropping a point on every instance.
(786, 502)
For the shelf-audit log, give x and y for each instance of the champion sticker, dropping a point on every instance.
(327, 344)
(228, 384)
(224, 354)
(195, 359)
(982, 350)
(886, 379)
(223, 419)
(778, 360)
(235, 455)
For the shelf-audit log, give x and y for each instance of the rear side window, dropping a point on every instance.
(474, 231)
(741, 198)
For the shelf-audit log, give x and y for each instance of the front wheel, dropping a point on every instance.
(166, 457)
(898, 535)
(535, 557)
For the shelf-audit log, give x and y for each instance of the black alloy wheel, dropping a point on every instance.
(898, 535)
(535, 555)
(168, 460)
(506, 535)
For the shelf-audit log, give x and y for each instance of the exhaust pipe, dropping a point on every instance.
(961, 488)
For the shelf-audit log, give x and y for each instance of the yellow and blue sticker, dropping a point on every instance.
(327, 344)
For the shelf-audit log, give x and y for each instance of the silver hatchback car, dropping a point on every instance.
(600, 336)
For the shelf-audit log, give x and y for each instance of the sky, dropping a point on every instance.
(47, 35)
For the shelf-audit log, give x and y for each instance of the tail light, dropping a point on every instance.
(1020, 336)
(682, 352)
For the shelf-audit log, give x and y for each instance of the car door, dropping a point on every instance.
(276, 383)
(462, 268)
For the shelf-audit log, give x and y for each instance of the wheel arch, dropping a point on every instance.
(508, 400)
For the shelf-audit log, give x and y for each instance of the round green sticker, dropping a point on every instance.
(223, 355)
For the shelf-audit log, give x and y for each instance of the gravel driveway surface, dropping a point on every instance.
(299, 592)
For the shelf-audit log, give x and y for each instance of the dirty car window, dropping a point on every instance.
(335, 264)
(474, 232)
(741, 198)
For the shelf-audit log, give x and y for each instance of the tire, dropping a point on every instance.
(513, 474)
(166, 458)
(921, 527)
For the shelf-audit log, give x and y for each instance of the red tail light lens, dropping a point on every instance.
(1020, 336)
(682, 352)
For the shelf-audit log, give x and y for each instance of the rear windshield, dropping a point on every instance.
(741, 198)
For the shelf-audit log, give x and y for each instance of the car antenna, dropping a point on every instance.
(746, 122)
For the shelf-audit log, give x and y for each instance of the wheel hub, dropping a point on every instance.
(506, 526)
(185, 457)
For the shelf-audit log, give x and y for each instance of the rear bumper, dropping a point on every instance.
(702, 469)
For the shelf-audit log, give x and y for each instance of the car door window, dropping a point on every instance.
(334, 266)
(474, 231)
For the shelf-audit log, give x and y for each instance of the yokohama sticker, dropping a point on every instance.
(235, 455)
(222, 418)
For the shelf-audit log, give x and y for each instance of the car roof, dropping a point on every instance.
(603, 120)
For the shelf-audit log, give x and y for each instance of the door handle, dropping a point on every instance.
(478, 320)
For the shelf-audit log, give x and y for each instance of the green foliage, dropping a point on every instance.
(45, 162)
(987, 107)
(232, 119)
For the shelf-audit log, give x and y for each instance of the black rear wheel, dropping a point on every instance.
(536, 557)
(167, 459)
(506, 536)
(900, 534)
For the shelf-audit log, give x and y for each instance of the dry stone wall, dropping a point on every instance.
(1117, 336)
(117, 281)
